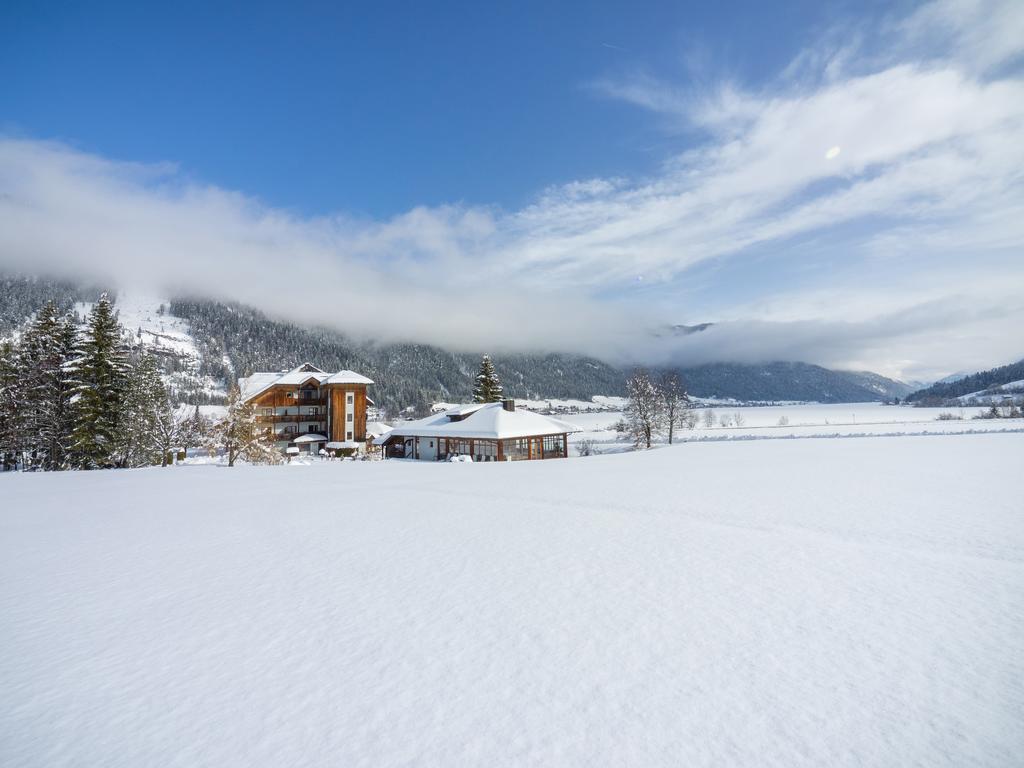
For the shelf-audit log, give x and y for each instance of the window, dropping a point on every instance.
(290, 429)
(350, 398)
(348, 418)
(314, 410)
(485, 450)
(456, 446)
(268, 412)
(554, 446)
(517, 449)
(348, 435)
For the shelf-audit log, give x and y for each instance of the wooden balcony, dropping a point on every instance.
(292, 418)
(307, 401)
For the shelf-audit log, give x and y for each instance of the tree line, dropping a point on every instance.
(84, 398)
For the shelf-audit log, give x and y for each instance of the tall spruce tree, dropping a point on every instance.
(488, 387)
(144, 416)
(45, 369)
(101, 371)
(10, 413)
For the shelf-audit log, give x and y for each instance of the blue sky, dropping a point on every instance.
(833, 182)
(374, 108)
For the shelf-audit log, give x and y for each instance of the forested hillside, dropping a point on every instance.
(22, 297)
(202, 346)
(239, 339)
(939, 393)
(789, 381)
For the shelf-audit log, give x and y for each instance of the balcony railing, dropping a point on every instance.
(309, 400)
(292, 417)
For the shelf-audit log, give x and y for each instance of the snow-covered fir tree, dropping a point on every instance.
(488, 387)
(241, 436)
(643, 416)
(193, 431)
(145, 414)
(102, 373)
(10, 414)
(168, 428)
(45, 365)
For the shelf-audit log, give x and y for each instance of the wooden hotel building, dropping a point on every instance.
(310, 409)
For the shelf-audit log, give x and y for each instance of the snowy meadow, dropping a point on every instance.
(806, 420)
(743, 603)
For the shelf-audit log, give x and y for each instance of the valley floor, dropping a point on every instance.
(747, 603)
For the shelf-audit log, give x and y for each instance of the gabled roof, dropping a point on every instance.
(258, 383)
(484, 421)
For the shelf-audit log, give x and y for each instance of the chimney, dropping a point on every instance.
(509, 404)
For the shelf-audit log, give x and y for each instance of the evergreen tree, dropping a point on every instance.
(167, 426)
(101, 373)
(241, 436)
(45, 369)
(144, 416)
(193, 431)
(488, 388)
(10, 413)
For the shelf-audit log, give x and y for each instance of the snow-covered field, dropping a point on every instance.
(805, 420)
(748, 603)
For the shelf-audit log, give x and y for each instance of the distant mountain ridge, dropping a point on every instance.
(790, 381)
(204, 345)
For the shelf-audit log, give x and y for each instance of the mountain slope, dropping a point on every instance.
(232, 337)
(789, 381)
(975, 384)
(204, 345)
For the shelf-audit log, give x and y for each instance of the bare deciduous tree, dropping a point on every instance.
(241, 435)
(709, 418)
(644, 411)
(738, 420)
(675, 403)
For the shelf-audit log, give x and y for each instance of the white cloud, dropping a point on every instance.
(910, 150)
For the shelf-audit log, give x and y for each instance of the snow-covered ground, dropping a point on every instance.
(806, 420)
(748, 603)
(1011, 391)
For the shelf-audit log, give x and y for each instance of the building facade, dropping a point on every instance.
(483, 432)
(310, 409)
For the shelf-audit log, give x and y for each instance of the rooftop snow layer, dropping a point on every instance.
(488, 421)
(257, 383)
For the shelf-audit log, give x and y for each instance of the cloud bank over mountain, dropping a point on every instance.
(865, 209)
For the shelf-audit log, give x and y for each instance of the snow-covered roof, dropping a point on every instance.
(347, 377)
(485, 421)
(463, 410)
(377, 428)
(258, 383)
(309, 438)
(343, 444)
